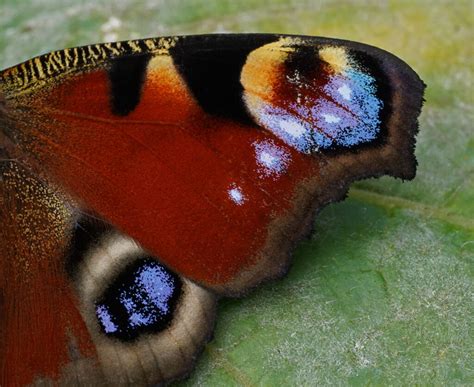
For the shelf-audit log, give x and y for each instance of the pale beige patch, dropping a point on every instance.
(337, 57)
(152, 358)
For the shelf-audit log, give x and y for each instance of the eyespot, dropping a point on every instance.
(147, 322)
(142, 299)
(312, 98)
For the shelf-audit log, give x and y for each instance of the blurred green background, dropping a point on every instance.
(383, 293)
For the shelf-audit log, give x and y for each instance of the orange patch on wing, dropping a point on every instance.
(263, 69)
(165, 97)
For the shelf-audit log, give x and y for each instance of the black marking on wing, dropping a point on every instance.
(211, 66)
(87, 232)
(303, 59)
(126, 76)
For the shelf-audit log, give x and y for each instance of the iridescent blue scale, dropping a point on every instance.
(141, 299)
(344, 111)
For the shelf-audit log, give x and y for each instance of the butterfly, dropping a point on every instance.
(142, 180)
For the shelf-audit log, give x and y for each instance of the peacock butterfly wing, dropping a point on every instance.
(213, 152)
(246, 135)
(83, 304)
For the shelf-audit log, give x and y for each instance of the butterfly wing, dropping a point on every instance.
(215, 151)
(38, 305)
(212, 153)
(84, 304)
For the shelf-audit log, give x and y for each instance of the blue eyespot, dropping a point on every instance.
(345, 111)
(141, 299)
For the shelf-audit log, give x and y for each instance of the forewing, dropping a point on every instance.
(215, 152)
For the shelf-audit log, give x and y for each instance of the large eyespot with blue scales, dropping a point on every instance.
(315, 98)
(141, 299)
(147, 322)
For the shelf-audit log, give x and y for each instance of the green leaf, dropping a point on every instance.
(383, 292)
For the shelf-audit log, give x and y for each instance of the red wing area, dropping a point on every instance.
(41, 330)
(51, 323)
(210, 197)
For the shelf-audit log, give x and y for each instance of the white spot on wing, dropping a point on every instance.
(331, 118)
(236, 195)
(345, 91)
(293, 128)
(268, 160)
(272, 159)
